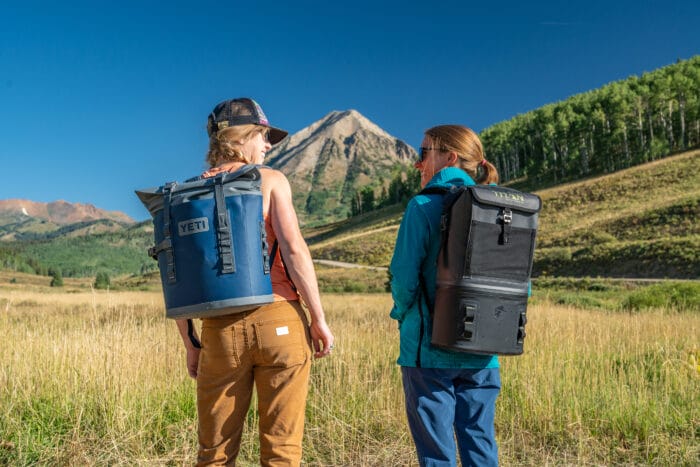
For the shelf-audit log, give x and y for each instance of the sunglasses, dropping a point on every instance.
(422, 150)
(265, 132)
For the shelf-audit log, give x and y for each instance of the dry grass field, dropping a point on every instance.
(98, 378)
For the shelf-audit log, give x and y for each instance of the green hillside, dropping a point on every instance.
(639, 222)
(33, 229)
(16, 228)
(117, 252)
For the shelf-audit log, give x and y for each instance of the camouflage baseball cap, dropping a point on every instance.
(241, 111)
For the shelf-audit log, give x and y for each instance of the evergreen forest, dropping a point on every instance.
(622, 124)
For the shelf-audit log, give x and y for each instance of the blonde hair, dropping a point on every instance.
(470, 152)
(225, 145)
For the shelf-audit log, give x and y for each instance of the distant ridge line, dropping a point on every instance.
(59, 212)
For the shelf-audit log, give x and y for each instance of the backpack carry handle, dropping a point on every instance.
(503, 197)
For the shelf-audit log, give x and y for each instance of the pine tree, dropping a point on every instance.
(56, 277)
(101, 280)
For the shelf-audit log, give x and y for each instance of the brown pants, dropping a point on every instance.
(270, 347)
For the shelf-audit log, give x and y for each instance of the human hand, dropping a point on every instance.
(321, 339)
(192, 361)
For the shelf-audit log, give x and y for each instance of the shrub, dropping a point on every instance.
(355, 287)
(551, 260)
(101, 280)
(56, 277)
(683, 296)
(579, 301)
(555, 254)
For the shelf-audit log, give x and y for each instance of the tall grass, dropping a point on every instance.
(98, 378)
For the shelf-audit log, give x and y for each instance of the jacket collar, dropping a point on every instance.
(450, 176)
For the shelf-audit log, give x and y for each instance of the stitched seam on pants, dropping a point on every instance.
(236, 353)
(246, 340)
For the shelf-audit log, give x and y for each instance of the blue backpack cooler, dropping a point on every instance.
(210, 243)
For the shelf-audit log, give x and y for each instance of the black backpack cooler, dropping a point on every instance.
(483, 269)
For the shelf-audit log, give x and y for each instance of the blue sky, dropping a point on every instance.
(100, 98)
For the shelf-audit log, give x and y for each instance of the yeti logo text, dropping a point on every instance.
(193, 226)
(510, 196)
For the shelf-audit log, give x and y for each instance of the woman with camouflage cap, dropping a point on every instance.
(269, 347)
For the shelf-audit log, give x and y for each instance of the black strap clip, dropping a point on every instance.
(166, 244)
(223, 227)
(190, 334)
(507, 221)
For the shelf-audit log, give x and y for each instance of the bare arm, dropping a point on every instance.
(298, 260)
(192, 350)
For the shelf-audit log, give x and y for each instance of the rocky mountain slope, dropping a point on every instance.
(329, 161)
(58, 212)
(24, 219)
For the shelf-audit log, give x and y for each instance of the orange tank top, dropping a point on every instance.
(282, 286)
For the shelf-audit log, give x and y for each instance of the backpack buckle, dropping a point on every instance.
(507, 220)
(507, 216)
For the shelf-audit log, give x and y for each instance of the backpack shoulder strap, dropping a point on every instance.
(273, 256)
(434, 190)
(449, 194)
(449, 197)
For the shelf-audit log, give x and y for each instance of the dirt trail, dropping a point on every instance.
(332, 241)
(340, 264)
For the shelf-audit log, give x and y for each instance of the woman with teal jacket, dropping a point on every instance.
(448, 394)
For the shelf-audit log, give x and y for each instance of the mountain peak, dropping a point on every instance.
(329, 161)
(347, 122)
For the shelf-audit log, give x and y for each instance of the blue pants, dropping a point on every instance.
(442, 403)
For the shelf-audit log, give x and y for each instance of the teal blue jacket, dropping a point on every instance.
(416, 251)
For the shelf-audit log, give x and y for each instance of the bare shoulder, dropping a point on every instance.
(277, 198)
(274, 180)
(272, 174)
